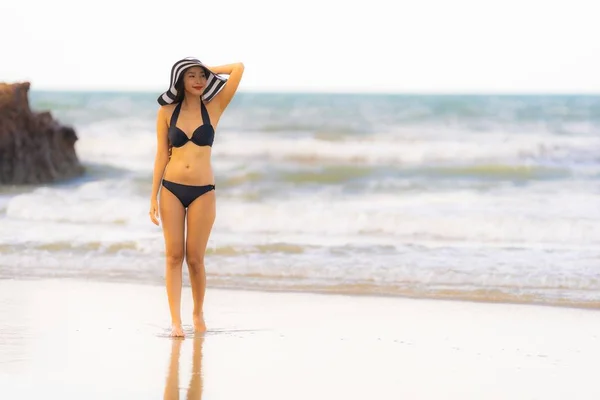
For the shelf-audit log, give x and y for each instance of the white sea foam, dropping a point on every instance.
(131, 144)
(506, 216)
(385, 149)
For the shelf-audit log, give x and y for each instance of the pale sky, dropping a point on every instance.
(309, 45)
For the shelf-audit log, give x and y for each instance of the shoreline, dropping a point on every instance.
(457, 296)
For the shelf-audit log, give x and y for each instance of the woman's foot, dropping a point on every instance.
(199, 325)
(177, 330)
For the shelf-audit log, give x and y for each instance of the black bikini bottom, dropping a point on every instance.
(186, 193)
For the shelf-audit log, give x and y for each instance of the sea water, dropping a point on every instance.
(489, 197)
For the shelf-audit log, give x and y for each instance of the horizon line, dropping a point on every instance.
(344, 92)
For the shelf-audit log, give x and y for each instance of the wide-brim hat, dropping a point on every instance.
(214, 82)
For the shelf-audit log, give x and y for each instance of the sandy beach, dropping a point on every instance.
(76, 339)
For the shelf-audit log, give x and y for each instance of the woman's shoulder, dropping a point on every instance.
(166, 111)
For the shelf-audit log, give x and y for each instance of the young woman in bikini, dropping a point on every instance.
(186, 123)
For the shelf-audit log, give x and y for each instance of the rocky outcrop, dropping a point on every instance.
(34, 147)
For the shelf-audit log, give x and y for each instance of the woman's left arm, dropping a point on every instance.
(235, 72)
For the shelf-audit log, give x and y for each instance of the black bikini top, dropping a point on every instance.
(204, 135)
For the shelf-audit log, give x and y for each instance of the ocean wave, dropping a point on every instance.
(323, 176)
(425, 177)
(400, 145)
(385, 150)
(499, 215)
(489, 172)
(81, 247)
(109, 201)
(494, 216)
(141, 246)
(539, 275)
(554, 296)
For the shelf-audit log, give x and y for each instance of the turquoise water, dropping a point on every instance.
(482, 197)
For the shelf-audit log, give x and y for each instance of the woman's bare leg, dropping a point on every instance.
(200, 218)
(172, 215)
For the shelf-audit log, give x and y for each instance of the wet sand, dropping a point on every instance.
(74, 339)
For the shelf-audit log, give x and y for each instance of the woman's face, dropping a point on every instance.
(194, 81)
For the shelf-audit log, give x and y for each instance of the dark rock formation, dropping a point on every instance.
(34, 148)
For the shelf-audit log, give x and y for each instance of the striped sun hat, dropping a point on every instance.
(214, 82)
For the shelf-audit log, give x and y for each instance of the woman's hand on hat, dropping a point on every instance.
(226, 69)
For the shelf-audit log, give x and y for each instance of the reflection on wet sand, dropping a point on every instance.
(194, 390)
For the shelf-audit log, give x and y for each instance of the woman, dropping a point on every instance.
(186, 122)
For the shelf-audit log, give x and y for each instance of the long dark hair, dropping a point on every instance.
(180, 88)
(178, 99)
